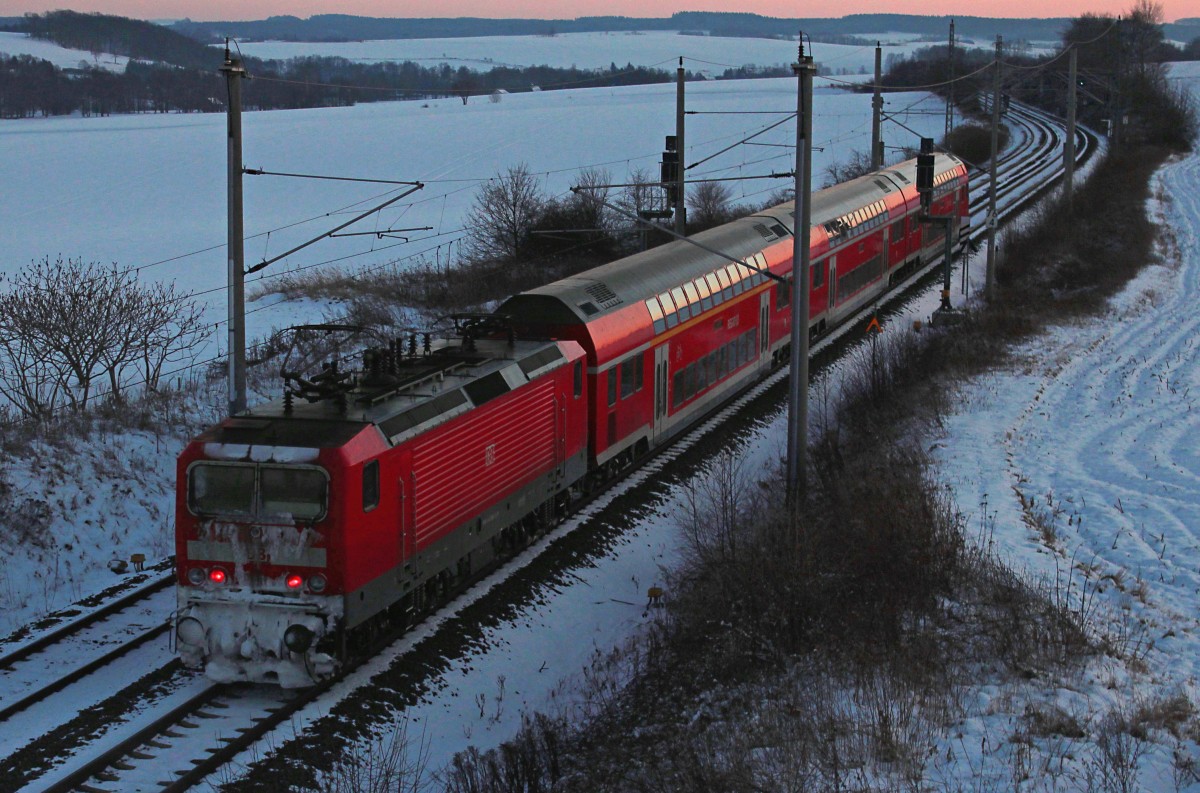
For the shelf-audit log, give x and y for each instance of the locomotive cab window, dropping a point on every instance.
(221, 489)
(578, 378)
(298, 492)
(370, 493)
(278, 491)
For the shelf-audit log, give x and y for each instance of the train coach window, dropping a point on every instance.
(612, 386)
(735, 278)
(221, 489)
(818, 273)
(783, 296)
(897, 233)
(705, 295)
(656, 315)
(370, 492)
(693, 297)
(298, 492)
(681, 304)
(631, 376)
(668, 307)
(714, 288)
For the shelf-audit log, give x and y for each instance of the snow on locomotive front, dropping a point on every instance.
(358, 501)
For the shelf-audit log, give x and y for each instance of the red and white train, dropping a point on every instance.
(305, 528)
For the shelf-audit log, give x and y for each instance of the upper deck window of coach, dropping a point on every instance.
(726, 286)
(705, 295)
(668, 308)
(681, 304)
(656, 315)
(735, 278)
(693, 297)
(714, 288)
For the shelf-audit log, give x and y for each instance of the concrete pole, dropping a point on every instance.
(802, 220)
(950, 87)
(234, 72)
(680, 195)
(1069, 143)
(994, 181)
(877, 112)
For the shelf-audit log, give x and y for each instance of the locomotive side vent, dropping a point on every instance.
(767, 233)
(422, 413)
(883, 185)
(487, 388)
(600, 292)
(540, 360)
(779, 230)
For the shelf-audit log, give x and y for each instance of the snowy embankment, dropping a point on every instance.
(1082, 465)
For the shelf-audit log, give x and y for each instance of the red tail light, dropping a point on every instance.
(295, 582)
(216, 575)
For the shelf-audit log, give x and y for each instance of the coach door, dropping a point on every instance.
(662, 356)
(764, 323)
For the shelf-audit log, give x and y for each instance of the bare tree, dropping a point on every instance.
(172, 325)
(29, 381)
(858, 165)
(708, 203)
(503, 215)
(63, 324)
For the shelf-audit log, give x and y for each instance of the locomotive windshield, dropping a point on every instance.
(250, 490)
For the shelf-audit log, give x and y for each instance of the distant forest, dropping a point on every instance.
(341, 27)
(170, 72)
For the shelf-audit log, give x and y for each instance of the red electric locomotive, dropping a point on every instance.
(303, 524)
(304, 527)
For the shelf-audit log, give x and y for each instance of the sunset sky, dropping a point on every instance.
(258, 9)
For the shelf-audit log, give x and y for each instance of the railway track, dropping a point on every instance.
(179, 730)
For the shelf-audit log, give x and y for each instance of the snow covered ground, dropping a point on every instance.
(662, 49)
(63, 57)
(149, 190)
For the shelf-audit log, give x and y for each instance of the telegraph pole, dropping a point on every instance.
(950, 87)
(994, 182)
(1069, 143)
(680, 196)
(801, 238)
(234, 72)
(877, 112)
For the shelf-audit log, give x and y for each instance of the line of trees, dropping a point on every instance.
(70, 331)
(1123, 87)
(31, 87)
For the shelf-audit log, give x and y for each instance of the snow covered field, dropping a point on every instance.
(149, 190)
(707, 54)
(63, 57)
